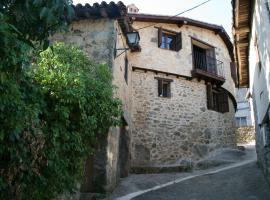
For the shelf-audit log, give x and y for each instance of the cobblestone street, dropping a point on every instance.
(239, 179)
(241, 183)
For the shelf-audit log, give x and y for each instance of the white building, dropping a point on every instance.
(252, 53)
(243, 113)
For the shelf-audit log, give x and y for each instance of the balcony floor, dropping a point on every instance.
(204, 75)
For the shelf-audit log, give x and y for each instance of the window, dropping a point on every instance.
(169, 40)
(126, 69)
(164, 87)
(217, 99)
(241, 121)
(204, 57)
(233, 72)
(257, 53)
(267, 4)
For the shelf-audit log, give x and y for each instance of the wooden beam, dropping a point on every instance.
(241, 30)
(160, 72)
(241, 42)
(236, 12)
(182, 24)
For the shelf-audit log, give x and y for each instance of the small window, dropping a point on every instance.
(164, 87)
(257, 53)
(267, 4)
(217, 99)
(126, 70)
(169, 40)
(241, 121)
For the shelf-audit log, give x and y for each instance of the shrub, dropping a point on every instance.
(70, 105)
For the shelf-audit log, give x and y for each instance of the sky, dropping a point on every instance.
(215, 11)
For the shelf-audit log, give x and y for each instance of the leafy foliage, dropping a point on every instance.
(54, 107)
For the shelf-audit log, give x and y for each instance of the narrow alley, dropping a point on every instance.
(241, 183)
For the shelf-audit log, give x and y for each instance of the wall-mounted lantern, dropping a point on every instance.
(133, 39)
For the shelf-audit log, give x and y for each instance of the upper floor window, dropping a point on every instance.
(241, 121)
(169, 40)
(267, 4)
(257, 54)
(204, 57)
(217, 99)
(164, 87)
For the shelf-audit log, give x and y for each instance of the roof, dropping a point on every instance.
(118, 11)
(114, 11)
(102, 10)
(186, 21)
(242, 12)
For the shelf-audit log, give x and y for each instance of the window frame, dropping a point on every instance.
(160, 83)
(177, 38)
(238, 121)
(217, 99)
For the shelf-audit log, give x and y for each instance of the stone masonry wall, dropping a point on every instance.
(97, 38)
(177, 129)
(178, 62)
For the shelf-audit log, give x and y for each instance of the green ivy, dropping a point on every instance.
(55, 106)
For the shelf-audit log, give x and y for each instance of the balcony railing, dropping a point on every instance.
(208, 64)
(207, 68)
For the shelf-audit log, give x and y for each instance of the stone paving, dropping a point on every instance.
(240, 183)
(151, 184)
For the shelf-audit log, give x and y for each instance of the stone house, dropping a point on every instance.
(251, 27)
(183, 101)
(176, 86)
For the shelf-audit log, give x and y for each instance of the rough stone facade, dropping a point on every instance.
(156, 130)
(177, 129)
(97, 38)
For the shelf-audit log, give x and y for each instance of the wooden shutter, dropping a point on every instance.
(223, 103)
(159, 87)
(209, 94)
(159, 36)
(169, 89)
(126, 69)
(233, 71)
(178, 41)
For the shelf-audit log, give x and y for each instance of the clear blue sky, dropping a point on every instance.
(216, 11)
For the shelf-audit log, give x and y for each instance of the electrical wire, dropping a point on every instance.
(176, 14)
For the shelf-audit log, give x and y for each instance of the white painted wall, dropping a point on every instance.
(243, 105)
(260, 79)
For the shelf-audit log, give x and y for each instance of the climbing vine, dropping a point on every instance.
(54, 105)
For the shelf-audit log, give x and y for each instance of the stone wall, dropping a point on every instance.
(97, 38)
(245, 134)
(177, 129)
(178, 62)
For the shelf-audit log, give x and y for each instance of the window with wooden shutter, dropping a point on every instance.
(169, 40)
(178, 41)
(209, 94)
(217, 99)
(159, 37)
(126, 69)
(164, 87)
(233, 71)
(223, 104)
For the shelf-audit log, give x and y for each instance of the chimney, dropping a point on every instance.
(132, 8)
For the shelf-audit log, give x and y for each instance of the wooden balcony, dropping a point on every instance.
(207, 68)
